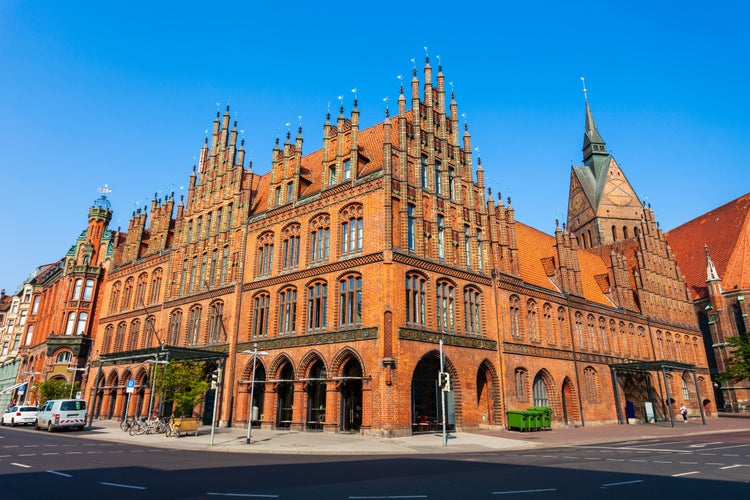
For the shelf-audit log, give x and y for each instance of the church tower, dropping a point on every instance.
(602, 205)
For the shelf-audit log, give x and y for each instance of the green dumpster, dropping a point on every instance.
(518, 419)
(536, 419)
(546, 411)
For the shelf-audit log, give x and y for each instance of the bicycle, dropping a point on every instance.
(127, 423)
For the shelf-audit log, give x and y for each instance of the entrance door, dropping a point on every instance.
(285, 399)
(351, 397)
(427, 397)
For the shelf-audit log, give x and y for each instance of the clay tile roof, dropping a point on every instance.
(535, 248)
(726, 231)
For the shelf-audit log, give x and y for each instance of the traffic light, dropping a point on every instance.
(215, 378)
(444, 381)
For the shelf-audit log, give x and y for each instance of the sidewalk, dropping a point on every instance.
(319, 443)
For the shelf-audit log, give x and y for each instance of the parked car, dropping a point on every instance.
(20, 415)
(61, 413)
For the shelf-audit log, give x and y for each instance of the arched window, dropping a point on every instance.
(591, 329)
(603, 334)
(149, 330)
(135, 327)
(202, 285)
(265, 254)
(444, 306)
(224, 264)
(320, 235)
(521, 377)
(739, 322)
(685, 390)
(590, 385)
(140, 291)
(480, 251)
(287, 311)
(531, 321)
(452, 183)
(613, 336)
(625, 232)
(317, 306)
(193, 285)
(120, 337)
(411, 236)
(261, 304)
(175, 323)
(107, 341)
(624, 340)
(194, 326)
(515, 329)
(473, 311)
(614, 233)
(441, 236)
(81, 326)
(540, 392)
(213, 268)
(114, 298)
(155, 286)
(290, 247)
(350, 301)
(415, 300)
(438, 179)
(216, 332)
(63, 357)
(127, 294)
(423, 175)
(351, 230)
(549, 328)
(580, 337)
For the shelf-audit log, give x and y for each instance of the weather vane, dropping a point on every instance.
(414, 62)
(354, 91)
(104, 190)
(426, 52)
(585, 95)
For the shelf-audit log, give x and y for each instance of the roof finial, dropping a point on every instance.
(426, 54)
(414, 63)
(400, 83)
(585, 95)
(385, 100)
(104, 190)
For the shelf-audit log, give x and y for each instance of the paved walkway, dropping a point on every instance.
(314, 443)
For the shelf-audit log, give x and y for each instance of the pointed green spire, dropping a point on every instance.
(594, 148)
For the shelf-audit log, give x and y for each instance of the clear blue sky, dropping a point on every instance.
(120, 93)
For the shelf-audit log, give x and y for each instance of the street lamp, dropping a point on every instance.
(255, 354)
(155, 361)
(28, 386)
(73, 382)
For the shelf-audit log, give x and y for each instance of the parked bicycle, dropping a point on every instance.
(156, 425)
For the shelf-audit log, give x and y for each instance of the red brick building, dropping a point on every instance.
(348, 266)
(714, 253)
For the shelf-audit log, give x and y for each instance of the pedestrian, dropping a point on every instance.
(683, 412)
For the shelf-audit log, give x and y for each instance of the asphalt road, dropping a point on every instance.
(35, 464)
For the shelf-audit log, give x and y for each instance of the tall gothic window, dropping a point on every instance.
(580, 336)
(290, 247)
(539, 390)
(212, 268)
(467, 246)
(452, 183)
(317, 305)
(515, 328)
(411, 237)
(350, 301)
(531, 322)
(135, 327)
(265, 254)
(202, 276)
(347, 169)
(547, 323)
(224, 264)
(126, 295)
(218, 220)
(216, 323)
(415, 300)
(441, 236)
(589, 385)
(287, 311)
(444, 306)
(193, 270)
(149, 329)
(155, 286)
(591, 329)
(480, 251)
(107, 341)
(438, 179)
(140, 291)
(603, 334)
(70, 326)
(183, 278)
(120, 337)
(521, 377)
(77, 289)
(561, 326)
(81, 326)
(261, 304)
(351, 230)
(319, 238)
(423, 172)
(229, 216)
(175, 324)
(194, 326)
(473, 311)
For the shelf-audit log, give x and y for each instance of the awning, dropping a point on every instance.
(12, 387)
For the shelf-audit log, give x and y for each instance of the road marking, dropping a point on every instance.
(20, 465)
(74, 453)
(714, 463)
(729, 455)
(123, 485)
(50, 453)
(523, 491)
(701, 445)
(661, 462)
(572, 458)
(591, 458)
(242, 495)
(637, 460)
(60, 473)
(615, 460)
(27, 454)
(733, 466)
(31, 446)
(607, 485)
(686, 473)
(688, 463)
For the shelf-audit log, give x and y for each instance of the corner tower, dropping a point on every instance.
(602, 205)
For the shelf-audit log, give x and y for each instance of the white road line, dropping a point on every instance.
(50, 453)
(591, 458)
(572, 458)
(31, 446)
(4, 456)
(130, 486)
(686, 473)
(60, 473)
(523, 491)
(27, 454)
(732, 466)
(637, 460)
(251, 495)
(701, 445)
(74, 453)
(714, 463)
(662, 462)
(688, 463)
(20, 465)
(607, 485)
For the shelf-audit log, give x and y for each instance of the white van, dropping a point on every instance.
(60, 413)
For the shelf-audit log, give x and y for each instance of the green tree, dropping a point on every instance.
(52, 389)
(738, 363)
(184, 383)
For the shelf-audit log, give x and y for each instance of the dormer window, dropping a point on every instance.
(332, 175)
(347, 170)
